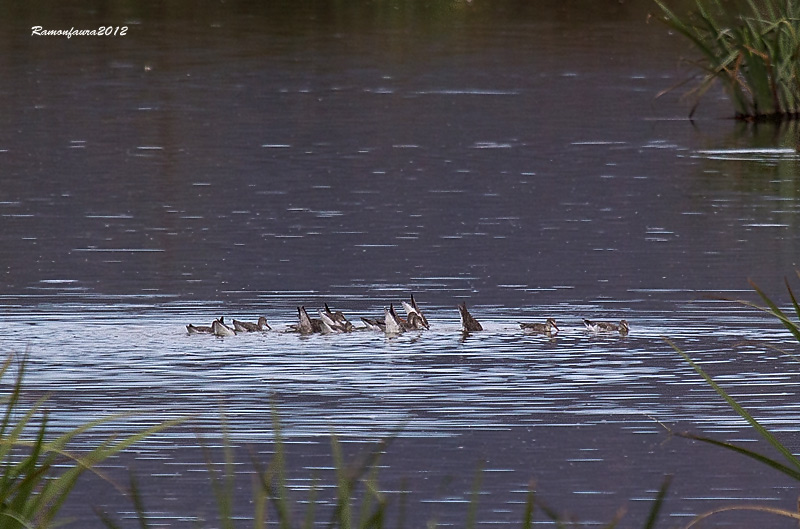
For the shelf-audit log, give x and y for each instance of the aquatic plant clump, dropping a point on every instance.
(753, 49)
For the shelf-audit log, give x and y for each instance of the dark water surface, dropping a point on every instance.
(244, 159)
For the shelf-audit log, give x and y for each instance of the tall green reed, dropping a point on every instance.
(752, 48)
(33, 482)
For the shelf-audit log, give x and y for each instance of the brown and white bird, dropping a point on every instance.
(201, 329)
(246, 326)
(306, 324)
(334, 321)
(415, 318)
(604, 326)
(468, 323)
(219, 328)
(541, 328)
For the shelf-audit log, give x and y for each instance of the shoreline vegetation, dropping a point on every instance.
(753, 50)
(38, 474)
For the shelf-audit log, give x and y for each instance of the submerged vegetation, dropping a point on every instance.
(752, 49)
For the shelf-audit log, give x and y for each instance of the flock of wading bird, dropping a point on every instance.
(391, 323)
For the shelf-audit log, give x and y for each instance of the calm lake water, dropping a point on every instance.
(243, 160)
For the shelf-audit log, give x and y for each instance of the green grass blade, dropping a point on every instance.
(222, 480)
(271, 482)
(107, 520)
(308, 521)
(761, 458)
(551, 514)
(530, 504)
(33, 472)
(373, 517)
(662, 492)
(787, 454)
(733, 508)
(13, 398)
(473, 502)
(777, 312)
(794, 300)
(281, 499)
(673, 21)
(342, 515)
(5, 514)
(402, 505)
(138, 504)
